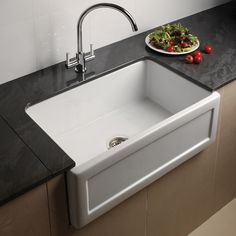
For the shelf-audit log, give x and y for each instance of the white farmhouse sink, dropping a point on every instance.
(166, 118)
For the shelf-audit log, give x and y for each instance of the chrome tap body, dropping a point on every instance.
(81, 57)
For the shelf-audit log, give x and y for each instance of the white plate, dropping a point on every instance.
(147, 41)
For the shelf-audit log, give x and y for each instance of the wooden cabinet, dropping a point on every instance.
(225, 169)
(27, 215)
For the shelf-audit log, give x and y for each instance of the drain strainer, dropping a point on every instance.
(116, 141)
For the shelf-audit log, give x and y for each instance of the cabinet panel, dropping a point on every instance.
(225, 174)
(26, 215)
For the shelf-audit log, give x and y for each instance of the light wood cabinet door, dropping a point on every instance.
(26, 215)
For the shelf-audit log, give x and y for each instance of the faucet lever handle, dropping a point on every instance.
(91, 54)
(91, 50)
(71, 62)
(67, 58)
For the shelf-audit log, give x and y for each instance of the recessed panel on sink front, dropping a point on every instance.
(163, 118)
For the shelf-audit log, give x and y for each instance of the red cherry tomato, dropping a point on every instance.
(184, 45)
(197, 59)
(170, 49)
(189, 59)
(171, 43)
(197, 53)
(183, 38)
(208, 49)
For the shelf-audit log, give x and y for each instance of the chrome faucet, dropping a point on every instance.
(81, 57)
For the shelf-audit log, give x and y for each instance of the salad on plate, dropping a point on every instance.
(173, 38)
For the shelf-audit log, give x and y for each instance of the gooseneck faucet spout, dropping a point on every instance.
(81, 57)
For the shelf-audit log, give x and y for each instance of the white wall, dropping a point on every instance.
(37, 33)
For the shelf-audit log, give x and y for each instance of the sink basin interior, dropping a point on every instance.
(124, 103)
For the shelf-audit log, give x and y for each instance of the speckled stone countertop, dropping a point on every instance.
(29, 157)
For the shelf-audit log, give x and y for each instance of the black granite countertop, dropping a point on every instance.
(29, 157)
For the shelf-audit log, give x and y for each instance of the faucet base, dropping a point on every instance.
(80, 69)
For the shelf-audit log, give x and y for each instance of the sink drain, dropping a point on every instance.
(116, 141)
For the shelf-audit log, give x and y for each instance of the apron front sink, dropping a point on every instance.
(125, 130)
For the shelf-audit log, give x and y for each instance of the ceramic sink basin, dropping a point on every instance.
(163, 118)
